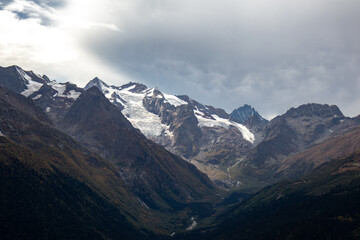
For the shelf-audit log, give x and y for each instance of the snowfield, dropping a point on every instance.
(149, 123)
(224, 123)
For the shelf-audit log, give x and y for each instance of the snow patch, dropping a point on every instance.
(134, 110)
(129, 88)
(173, 100)
(37, 97)
(148, 123)
(149, 91)
(192, 225)
(60, 88)
(224, 123)
(23, 74)
(73, 94)
(1, 134)
(32, 87)
(48, 109)
(142, 203)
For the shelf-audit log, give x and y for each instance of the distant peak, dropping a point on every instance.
(136, 87)
(314, 110)
(157, 92)
(14, 67)
(242, 114)
(46, 78)
(98, 80)
(185, 98)
(97, 83)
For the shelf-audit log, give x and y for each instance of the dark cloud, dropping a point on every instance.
(44, 3)
(228, 54)
(271, 54)
(52, 3)
(3, 3)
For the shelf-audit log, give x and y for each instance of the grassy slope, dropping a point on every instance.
(41, 204)
(323, 205)
(49, 158)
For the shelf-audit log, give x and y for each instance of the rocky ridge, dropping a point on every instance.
(295, 131)
(232, 149)
(203, 135)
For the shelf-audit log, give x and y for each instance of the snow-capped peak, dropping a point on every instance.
(173, 100)
(168, 98)
(63, 91)
(209, 116)
(131, 97)
(23, 74)
(33, 83)
(216, 121)
(32, 86)
(97, 83)
(242, 114)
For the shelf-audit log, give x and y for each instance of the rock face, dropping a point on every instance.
(160, 179)
(250, 118)
(51, 185)
(295, 131)
(181, 121)
(241, 148)
(56, 98)
(306, 208)
(333, 148)
(52, 97)
(18, 80)
(244, 113)
(112, 181)
(203, 135)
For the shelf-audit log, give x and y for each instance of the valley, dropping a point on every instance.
(169, 167)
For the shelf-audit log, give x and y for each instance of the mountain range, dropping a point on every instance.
(133, 161)
(237, 149)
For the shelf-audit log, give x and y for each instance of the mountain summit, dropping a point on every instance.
(148, 169)
(217, 143)
(97, 83)
(315, 110)
(20, 81)
(242, 114)
(202, 134)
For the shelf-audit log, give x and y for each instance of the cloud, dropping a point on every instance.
(271, 54)
(39, 10)
(47, 41)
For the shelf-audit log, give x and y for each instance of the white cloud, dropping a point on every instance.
(54, 49)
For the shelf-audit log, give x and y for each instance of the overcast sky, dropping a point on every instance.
(271, 54)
